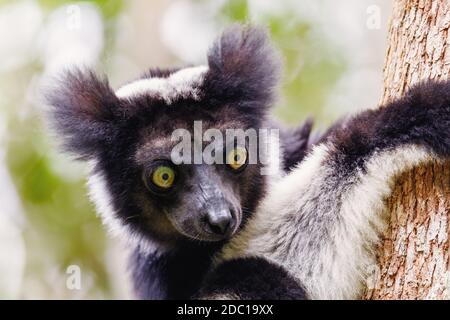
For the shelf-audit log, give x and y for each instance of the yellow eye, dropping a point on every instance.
(237, 158)
(163, 177)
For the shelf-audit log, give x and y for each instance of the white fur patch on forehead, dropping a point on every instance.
(181, 84)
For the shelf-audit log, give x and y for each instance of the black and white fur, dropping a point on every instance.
(320, 223)
(121, 132)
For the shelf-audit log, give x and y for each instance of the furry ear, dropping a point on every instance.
(243, 68)
(83, 111)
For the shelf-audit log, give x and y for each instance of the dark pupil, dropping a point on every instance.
(165, 176)
(236, 158)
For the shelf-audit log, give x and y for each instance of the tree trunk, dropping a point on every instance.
(413, 257)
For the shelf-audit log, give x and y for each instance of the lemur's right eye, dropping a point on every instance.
(160, 179)
(237, 158)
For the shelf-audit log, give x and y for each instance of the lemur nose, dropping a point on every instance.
(220, 222)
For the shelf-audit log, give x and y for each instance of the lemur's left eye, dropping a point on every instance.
(160, 179)
(163, 177)
(237, 158)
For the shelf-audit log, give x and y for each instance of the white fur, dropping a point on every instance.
(222, 296)
(321, 225)
(183, 83)
(100, 196)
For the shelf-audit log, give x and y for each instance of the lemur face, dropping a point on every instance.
(128, 137)
(203, 201)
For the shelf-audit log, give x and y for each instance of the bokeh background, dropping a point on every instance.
(333, 54)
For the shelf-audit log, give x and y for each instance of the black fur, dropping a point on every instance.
(85, 112)
(243, 69)
(295, 144)
(252, 278)
(175, 274)
(421, 117)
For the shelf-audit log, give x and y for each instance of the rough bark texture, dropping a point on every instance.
(413, 259)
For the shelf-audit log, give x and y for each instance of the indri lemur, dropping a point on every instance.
(312, 229)
(176, 217)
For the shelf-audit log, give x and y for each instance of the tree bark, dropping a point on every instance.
(413, 256)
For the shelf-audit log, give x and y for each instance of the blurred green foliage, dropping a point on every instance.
(59, 215)
(311, 66)
(62, 228)
(109, 8)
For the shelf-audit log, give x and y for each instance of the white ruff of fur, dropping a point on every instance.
(322, 225)
(181, 84)
(100, 196)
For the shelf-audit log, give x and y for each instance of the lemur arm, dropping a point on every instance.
(321, 221)
(250, 278)
(174, 274)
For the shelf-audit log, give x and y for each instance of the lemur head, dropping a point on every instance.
(127, 135)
